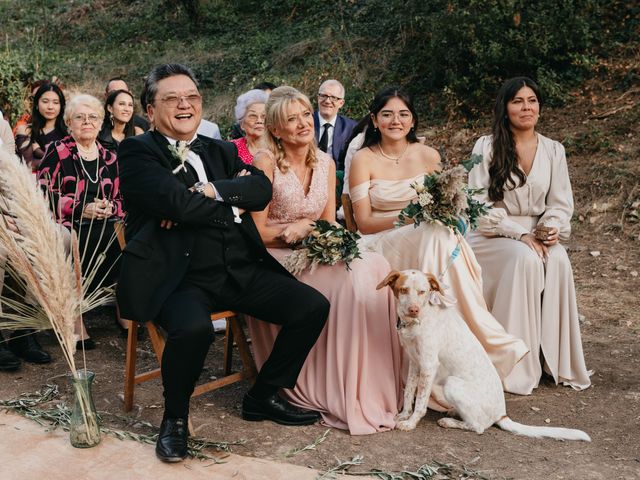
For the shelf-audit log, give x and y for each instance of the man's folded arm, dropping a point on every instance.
(149, 186)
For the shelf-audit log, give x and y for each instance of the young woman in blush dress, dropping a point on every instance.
(381, 174)
(352, 375)
(528, 281)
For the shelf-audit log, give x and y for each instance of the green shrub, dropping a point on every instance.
(452, 54)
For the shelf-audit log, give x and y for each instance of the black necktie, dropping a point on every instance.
(324, 139)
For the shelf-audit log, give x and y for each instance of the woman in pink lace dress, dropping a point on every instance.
(352, 375)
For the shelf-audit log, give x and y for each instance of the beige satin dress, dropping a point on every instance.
(428, 248)
(532, 299)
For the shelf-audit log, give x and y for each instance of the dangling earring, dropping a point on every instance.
(279, 144)
(375, 130)
(111, 119)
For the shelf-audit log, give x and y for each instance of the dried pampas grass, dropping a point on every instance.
(37, 255)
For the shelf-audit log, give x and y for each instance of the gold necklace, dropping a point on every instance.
(389, 157)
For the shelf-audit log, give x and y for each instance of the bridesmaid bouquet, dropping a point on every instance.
(326, 244)
(446, 198)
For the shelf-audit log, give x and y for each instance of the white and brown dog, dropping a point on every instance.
(442, 349)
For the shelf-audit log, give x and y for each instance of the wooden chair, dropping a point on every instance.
(347, 208)
(234, 332)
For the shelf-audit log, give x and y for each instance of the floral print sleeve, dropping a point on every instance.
(62, 177)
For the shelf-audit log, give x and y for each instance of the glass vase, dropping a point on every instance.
(84, 429)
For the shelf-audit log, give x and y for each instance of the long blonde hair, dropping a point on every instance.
(280, 100)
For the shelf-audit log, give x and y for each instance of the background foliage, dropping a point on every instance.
(452, 54)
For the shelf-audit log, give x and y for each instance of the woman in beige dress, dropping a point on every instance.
(352, 374)
(528, 282)
(381, 174)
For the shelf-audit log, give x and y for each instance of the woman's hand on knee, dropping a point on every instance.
(536, 245)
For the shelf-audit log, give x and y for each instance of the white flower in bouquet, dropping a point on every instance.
(326, 244)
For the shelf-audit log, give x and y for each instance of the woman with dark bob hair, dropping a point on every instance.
(380, 179)
(527, 276)
(47, 125)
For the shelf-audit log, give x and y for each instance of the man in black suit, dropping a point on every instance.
(332, 129)
(192, 249)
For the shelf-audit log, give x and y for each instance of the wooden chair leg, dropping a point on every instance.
(157, 341)
(130, 366)
(228, 347)
(249, 366)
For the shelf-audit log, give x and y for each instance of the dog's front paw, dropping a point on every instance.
(406, 425)
(402, 416)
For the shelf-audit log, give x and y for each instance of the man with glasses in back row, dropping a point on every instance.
(192, 248)
(332, 130)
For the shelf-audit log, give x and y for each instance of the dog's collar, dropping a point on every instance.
(400, 324)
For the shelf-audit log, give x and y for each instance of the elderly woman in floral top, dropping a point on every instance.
(81, 177)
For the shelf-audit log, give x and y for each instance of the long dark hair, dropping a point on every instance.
(129, 127)
(38, 121)
(372, 134)
(504, 161)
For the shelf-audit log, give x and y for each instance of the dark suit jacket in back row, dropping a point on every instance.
(342, 131)
(155, 260)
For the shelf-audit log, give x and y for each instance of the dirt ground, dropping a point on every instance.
(604, 153)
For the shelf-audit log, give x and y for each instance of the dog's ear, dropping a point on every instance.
(389, 280)
(433, 283)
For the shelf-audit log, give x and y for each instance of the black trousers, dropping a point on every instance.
(270, 296)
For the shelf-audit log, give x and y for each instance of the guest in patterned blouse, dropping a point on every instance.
(81, 177)
(250, 115)
(46, 125)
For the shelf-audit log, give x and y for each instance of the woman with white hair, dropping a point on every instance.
(250, 114)
(81, 178)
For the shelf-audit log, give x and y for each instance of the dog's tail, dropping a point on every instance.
(558, 433)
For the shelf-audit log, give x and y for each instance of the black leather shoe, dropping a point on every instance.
(172, 440)
(24, 344)
(276, 409)
(89, 344)
(8, 361)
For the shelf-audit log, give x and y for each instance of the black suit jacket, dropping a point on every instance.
(155, 260)
(342, 132)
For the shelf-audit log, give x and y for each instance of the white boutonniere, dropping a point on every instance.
(179, 151)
